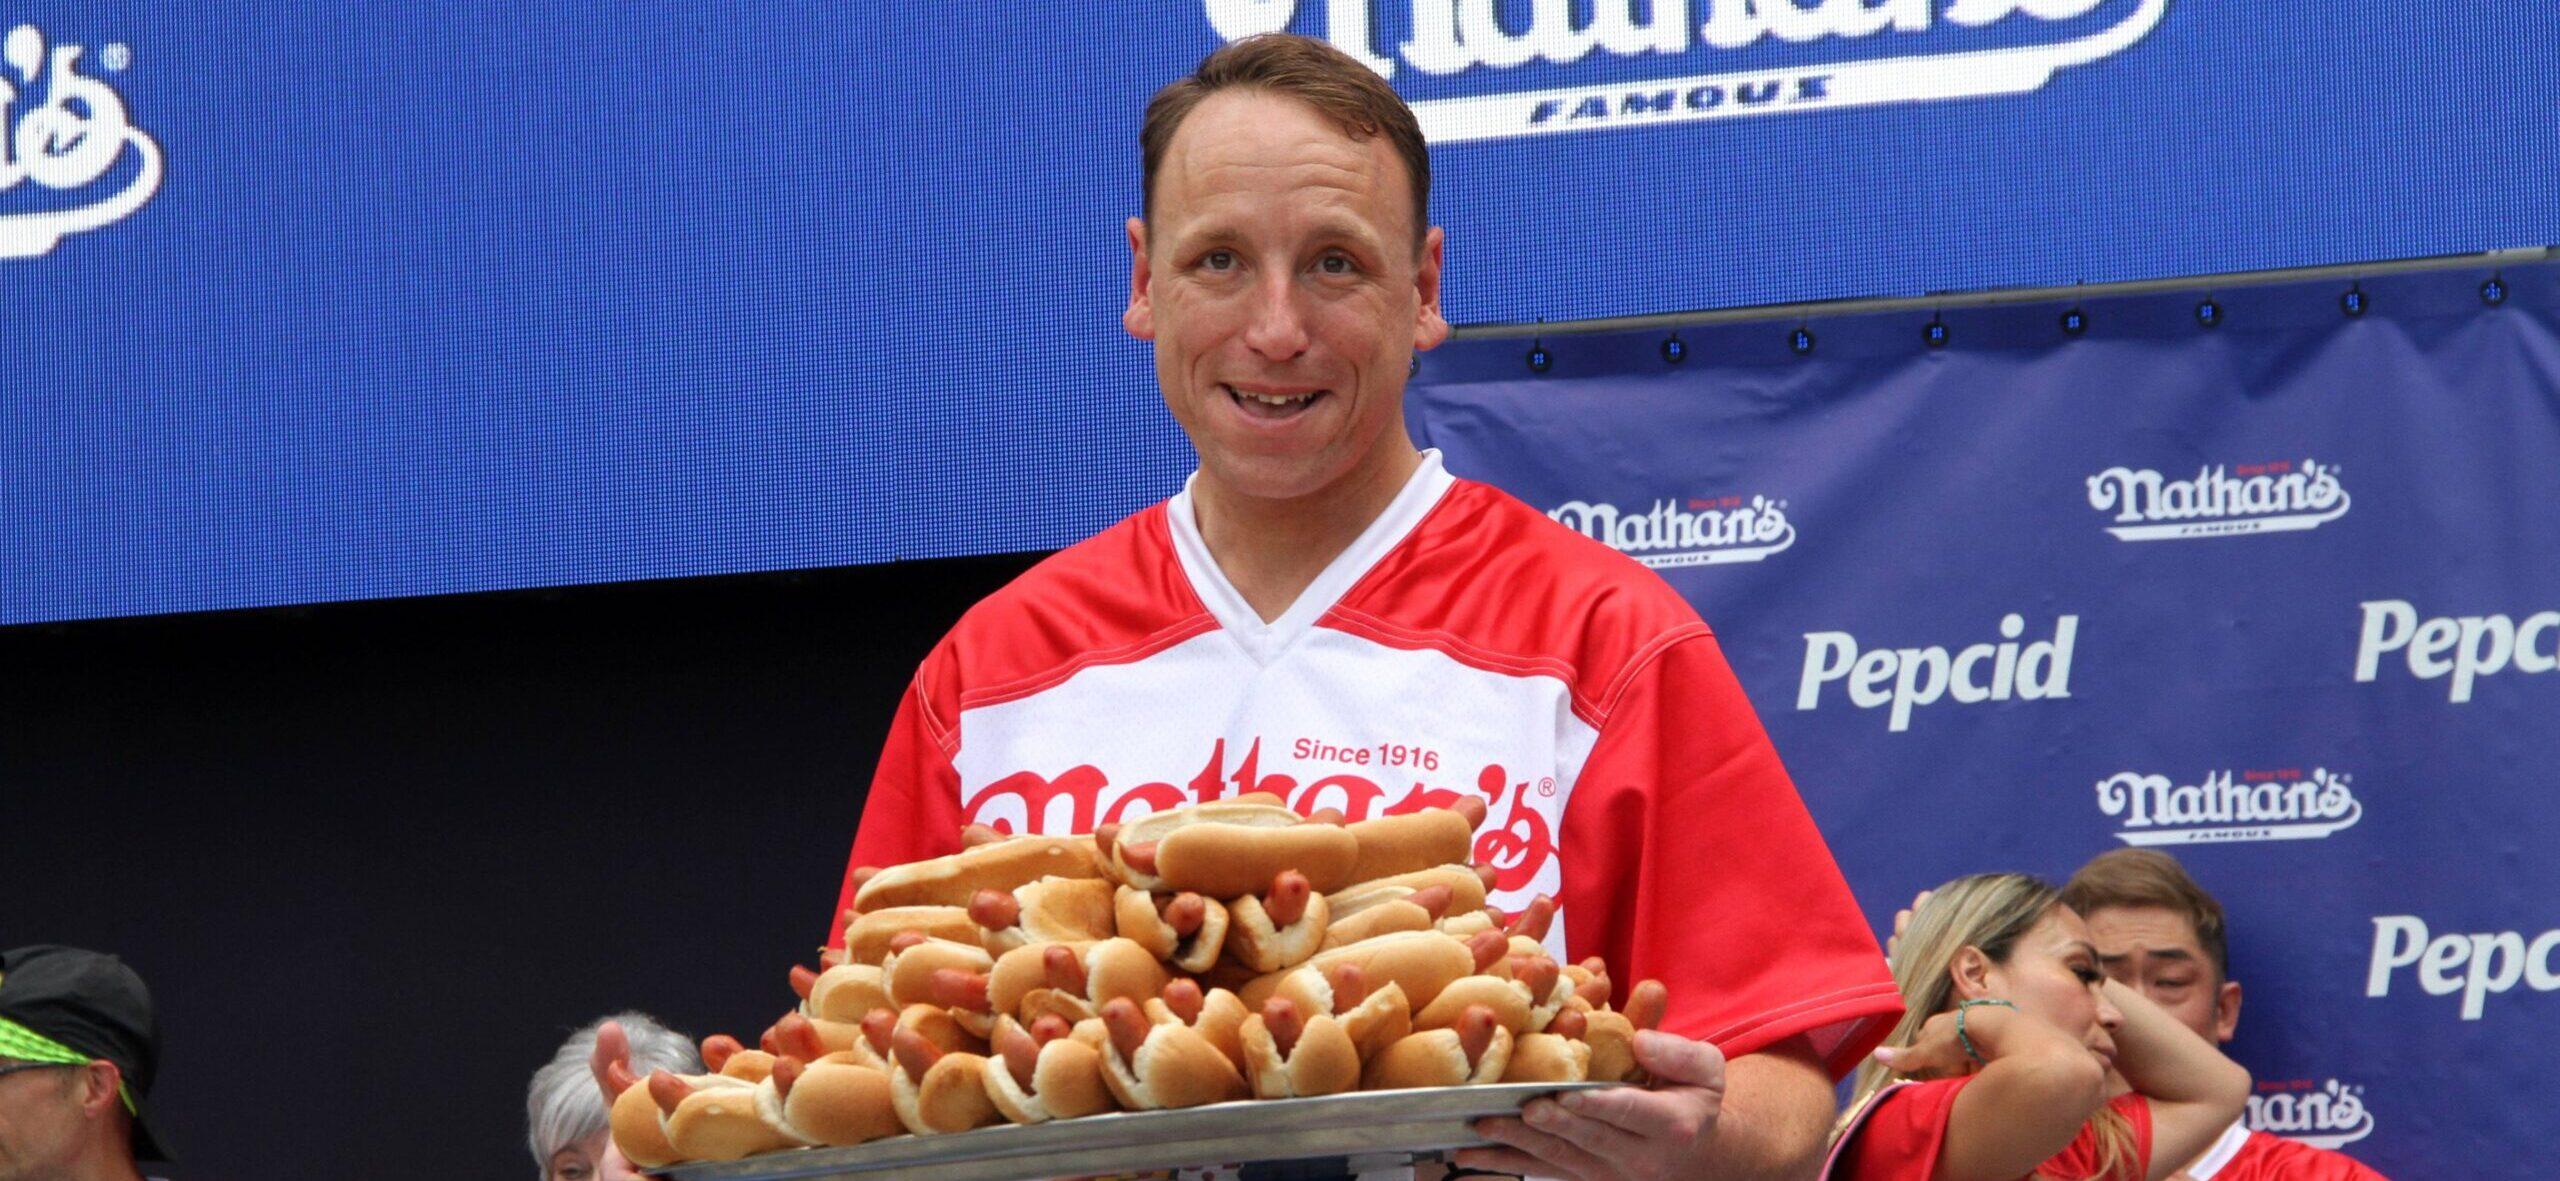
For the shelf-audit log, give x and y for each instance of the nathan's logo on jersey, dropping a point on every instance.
(2325, 1114)
(1553, 65)
(2283, 805)
(2466, 646)
(1702, 531)
(2476, 965)
(1517, 838)
(1907, 678)
(2275, 497)
(65, 131)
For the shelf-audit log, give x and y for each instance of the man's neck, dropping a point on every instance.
(1271, 550)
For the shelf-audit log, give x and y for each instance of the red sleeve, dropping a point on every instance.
(1902, 1137)
(1689, 858)
(2079, 1162)
(913, 809)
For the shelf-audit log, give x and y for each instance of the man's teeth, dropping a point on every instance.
(1273, 399)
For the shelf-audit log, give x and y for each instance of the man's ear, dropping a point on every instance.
(1430, 327)
(101, 1084)
(2226, 1011)
(1140, 317)
(1970, 971)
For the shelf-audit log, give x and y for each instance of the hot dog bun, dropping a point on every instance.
(1420, 962)
(1045, 911)
(1142, 918)
(639, 1129)
(837, 1103)
(1507, 1000)
(1104, 969)
(954, 880)
(1227, 849)
(1278, 929)
(868, 933)
(845, 992)
(1547, 1058)
(718, 1120)
(1465, 886)
(1066, 1079)
(1439, 1058)
(1168, 1065)
(1391, 845)
(1321, 1060)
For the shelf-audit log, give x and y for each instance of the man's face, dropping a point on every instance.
(40, 1122)
(1280, 284)
(2155, 949)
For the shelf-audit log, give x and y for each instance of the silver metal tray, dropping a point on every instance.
(1402, 1124)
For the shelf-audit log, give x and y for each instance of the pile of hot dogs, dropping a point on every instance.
(1221, 951)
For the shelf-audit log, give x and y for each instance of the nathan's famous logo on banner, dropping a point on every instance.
(65, 131)
(1517, 837)
(2280, 805)
(1562, 65)
(1907, 678)
(2467, 647)
(2478, 965)
(2275, 497)
(1701, 531)
(2323, 1114)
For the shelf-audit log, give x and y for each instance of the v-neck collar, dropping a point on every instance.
(2222, 1153)
(1265, 641)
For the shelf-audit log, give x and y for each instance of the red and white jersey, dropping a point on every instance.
(1464, 644)
(2246, 1155)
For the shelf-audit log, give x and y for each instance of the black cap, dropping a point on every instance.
(93, 1004)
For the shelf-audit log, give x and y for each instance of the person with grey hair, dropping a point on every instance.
(565, 1113)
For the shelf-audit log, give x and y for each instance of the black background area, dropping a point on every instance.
(376, 860)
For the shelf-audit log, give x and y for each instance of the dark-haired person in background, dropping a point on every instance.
(2157, 931)
(78, 1044)
(1323, 603)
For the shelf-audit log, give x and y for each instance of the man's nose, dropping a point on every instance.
(1277, 328)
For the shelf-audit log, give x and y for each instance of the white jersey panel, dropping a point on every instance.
(1334, 720)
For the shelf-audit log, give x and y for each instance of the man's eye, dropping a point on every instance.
(2173, 983)
(1335, 264)
(1219, 260)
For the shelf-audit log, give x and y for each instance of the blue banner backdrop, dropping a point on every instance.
(316, 302)
(2279, 595)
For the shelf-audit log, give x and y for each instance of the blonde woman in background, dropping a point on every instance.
(1999, 1069)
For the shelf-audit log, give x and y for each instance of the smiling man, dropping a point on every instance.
(1323, 612)
(2156, 930)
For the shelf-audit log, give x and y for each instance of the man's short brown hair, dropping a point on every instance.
(2148, 877)
(1352, 95)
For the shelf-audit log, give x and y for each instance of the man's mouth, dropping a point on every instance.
(1274, 405)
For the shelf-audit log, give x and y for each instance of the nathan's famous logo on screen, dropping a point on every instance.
(2478, 965)
(1904, 679)
(1699, 531)
(2323, 1114)
(1491, 69)
(70, 158)
(2222, 805)
(2277, 496)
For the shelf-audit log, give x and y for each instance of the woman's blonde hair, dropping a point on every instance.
(1989, 912)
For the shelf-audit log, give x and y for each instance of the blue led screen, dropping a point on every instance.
(315, 303)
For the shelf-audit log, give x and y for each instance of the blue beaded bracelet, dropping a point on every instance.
(1967, 1042)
